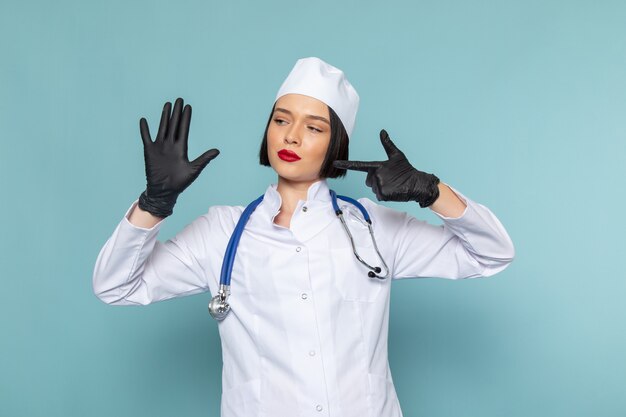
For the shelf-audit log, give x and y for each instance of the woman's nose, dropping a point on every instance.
(292, 135)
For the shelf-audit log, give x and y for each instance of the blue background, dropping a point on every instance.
(519, 105)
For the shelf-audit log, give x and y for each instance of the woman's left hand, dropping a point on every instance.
(395, 179)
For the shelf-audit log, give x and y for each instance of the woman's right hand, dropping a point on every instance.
(168, 170)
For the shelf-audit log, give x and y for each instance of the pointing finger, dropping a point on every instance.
(390, 147)
(357, 165)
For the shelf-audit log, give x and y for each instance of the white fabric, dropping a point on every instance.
(315, 78)
(307, 333)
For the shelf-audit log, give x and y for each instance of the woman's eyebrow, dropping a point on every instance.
(308, 116)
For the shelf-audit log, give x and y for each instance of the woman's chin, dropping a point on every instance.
(296, 177)
(293, 172)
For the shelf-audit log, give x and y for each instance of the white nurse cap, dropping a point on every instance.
(315, 78)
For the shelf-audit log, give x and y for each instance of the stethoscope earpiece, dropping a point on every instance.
(374, 274)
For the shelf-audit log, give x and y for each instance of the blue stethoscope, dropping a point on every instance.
(219, 308)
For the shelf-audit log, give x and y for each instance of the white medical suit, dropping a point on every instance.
(307, 330)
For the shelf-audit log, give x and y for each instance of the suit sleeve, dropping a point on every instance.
(472, 245)
(134, 268)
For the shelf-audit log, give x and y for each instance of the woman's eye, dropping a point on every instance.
(315, 129)
(279, 121)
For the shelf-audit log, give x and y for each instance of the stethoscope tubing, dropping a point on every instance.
(233, 243)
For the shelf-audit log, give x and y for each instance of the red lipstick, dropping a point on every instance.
(288, 156)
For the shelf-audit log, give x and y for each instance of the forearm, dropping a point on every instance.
(448, 204)
(474, 244)
(134, 268)
(142, 218)
(118, 276)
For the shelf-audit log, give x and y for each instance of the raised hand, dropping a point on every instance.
(168, 170)
(395, 179)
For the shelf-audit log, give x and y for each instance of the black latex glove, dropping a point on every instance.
(168, 170)
(395, 179)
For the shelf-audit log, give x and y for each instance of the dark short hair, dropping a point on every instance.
(337, 148)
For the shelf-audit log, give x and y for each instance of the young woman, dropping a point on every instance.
(304, 322)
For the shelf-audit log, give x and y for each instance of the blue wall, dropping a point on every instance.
(519, 105)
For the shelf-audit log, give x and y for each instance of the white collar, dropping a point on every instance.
(304, 225)
(318, 193)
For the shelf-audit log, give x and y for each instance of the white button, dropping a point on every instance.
(311, 353)
(298, 249)
(319, 408)
(304, 296)
(304, 209)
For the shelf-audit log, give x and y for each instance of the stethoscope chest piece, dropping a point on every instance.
(218, 307)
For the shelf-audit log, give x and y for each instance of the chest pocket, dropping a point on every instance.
(350, 276)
